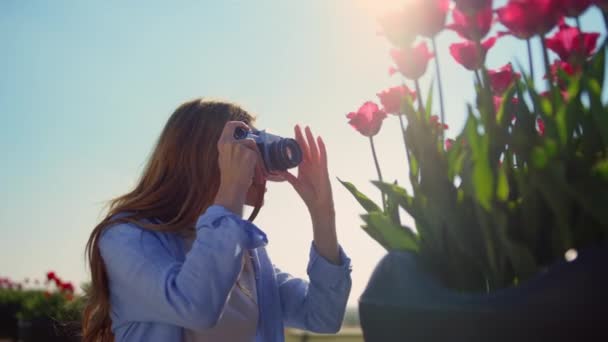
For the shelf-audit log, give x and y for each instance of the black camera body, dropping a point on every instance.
(278, 153)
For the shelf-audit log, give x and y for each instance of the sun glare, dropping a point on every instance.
(376, 8)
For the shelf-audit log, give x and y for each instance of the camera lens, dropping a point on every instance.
(285, 154)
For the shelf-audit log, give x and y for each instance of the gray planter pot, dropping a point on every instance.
(568, 302)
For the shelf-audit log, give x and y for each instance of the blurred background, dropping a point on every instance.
(86, 87)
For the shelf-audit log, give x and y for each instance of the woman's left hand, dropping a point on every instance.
(312, 182)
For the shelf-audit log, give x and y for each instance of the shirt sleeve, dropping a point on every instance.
(148, 284)
(319, 304)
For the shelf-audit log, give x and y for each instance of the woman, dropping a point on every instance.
(174, 261)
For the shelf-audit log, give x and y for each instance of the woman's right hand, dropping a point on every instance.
(237, 161)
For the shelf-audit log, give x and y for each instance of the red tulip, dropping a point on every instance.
(526, 18)
(572, 45)
(472, 6)
(468, 55)
(574, 8)
(368, 119)
(51, 276)
(392, 98)
(398, 28)
(501, 79)
(411, 62)
(472, 26)
(429, 15)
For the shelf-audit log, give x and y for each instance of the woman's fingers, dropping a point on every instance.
(302, 142)
(312, 146)
(275, 177)
(229, 128)
(291, 179)
(322, 152)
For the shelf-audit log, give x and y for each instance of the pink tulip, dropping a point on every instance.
(501, 79)
(472, 26)
(528, 18)
(392, 98)
(572, 45)
(468, 55)
(411, 62)
(368, 119)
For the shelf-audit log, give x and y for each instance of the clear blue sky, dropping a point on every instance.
(86, 87)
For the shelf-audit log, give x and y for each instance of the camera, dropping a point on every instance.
(278, 153)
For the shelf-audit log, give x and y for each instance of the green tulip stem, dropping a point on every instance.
(404, 139)
(371, 142)
(420, 101)
(530, 59)
(478, 78)
(548, 72)
(439, 84)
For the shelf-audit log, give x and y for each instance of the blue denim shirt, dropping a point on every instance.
(157, 288)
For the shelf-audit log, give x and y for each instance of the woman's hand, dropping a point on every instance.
(237, 160)
(313, 185)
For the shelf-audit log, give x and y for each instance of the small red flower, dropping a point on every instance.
(449, 143)
(498, 102)
(51, 276)
(411, 62)
(530, 17)
(434, 120)
(547, 94)
(397, 28)
(68, 287)
(572, 45)
(69, 297)
(368, 119)
(574, 8)
(540, 127)
(468, 55)
(392, 98)
(429, 16)
(501, 79)
(472, 6)
(566, 67)
(47, 294)
(472, 26)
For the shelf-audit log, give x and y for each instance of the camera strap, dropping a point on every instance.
(258, 205)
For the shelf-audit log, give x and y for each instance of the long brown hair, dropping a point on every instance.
(178, 183)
